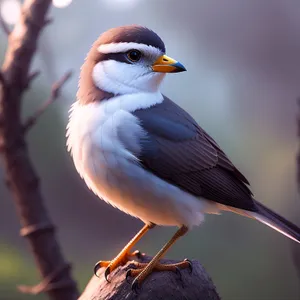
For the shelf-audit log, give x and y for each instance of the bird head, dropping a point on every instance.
(125, 60)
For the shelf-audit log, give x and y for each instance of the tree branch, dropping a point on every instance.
(160, 285)
(20, 174)
(55, 92)
(31, 77)
(2, 80)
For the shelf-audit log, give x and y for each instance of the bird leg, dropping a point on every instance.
(144, 269)
(124, 255)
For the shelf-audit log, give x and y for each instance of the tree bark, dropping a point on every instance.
(21, 177)
(195, 285)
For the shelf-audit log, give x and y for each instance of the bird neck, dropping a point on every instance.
(88, 92)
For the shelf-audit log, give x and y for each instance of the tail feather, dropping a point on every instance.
(275, 221)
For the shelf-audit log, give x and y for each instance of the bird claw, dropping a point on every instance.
(97, 267)
(113, 264)
(106, 273)
(135, 286)
(190, 265)
(128, 274)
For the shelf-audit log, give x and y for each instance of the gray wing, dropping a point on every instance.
(178, 150)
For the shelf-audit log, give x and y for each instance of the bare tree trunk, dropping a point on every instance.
(20, 175)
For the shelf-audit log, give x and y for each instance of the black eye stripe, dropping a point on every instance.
(121, 57)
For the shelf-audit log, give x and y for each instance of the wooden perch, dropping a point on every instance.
(160, 285)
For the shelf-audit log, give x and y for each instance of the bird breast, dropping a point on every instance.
(103, 138)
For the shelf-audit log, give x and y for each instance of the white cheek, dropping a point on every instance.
(121, 78)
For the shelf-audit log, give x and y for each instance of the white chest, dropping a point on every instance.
(94, 139)
(112, 171)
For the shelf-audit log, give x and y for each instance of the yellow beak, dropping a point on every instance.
(166, 64)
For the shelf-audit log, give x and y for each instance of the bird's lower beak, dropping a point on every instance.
(166, 64)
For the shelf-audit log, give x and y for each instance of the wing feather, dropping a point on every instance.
(178, 150)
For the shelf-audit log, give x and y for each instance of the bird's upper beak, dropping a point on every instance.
(166, 64)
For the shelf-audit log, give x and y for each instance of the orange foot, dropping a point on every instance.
(119, 260)
(141, 272)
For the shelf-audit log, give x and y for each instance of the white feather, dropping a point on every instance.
(121, 78)
(132, 102)
(124, 47)
(114, 174)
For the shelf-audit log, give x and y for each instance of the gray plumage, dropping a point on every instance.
(178, 150)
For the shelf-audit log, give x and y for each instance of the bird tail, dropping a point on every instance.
(275, 221)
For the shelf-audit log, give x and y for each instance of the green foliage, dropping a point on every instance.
(15, 269)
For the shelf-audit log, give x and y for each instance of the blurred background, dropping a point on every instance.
(242, 84)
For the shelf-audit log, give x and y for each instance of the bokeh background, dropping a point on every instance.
(242, 84)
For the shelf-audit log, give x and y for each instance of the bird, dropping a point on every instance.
(142, 153)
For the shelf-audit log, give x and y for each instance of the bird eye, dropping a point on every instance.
(134, 55)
